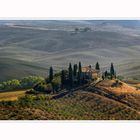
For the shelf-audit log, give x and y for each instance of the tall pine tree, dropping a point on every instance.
(70, 75)
(106, 74)
(112, 71)
(63, 78)
(51, 74)
(80, 67)
(79, 73)
(75, 70)
(97, 66)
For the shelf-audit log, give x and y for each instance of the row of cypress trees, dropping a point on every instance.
(111, 74)
(68, 76)
(74, 73)
(71, 76)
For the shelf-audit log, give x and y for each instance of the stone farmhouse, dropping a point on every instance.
(90, 72)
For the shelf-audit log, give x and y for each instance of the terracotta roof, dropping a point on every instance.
(89, 69)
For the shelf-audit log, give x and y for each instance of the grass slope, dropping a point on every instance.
(121, 92)
(11, 95)
(81, 105)
(41, 48)
(12, 68)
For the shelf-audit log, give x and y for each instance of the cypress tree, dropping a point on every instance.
(75, 70)
(70, 75)
(79, 73)
(103, 77)
(51, 74)
(106, 74)
(63, 78)
(97, 66)
(80, 67)
(112, 71)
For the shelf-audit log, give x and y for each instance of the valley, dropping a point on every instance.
(32, 50)
(42, 78)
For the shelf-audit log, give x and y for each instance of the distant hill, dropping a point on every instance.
(56, 23)
(57, 44)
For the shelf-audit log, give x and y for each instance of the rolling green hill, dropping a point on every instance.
(85, 104)
(30, 48)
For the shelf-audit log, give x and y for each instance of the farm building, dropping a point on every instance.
(88, 71)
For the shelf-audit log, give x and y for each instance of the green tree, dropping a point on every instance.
(43, 87)
(63, 78)
(112, 71)
(80, 67)
(79, 73)
(106, 74)
(56, 84)
(76, 29)
(51, 74)
(30, 81)
(70, 75)
(10, 85)
(103, 77)
(97, 66)
(75, 70)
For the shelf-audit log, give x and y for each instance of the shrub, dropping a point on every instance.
(32, 91)
(30, 81)
(120, 77)
(56, 83)
(43, 87)
(116, 84)
(10, 85)
(27, 100)
(26, 82)
(41, 97)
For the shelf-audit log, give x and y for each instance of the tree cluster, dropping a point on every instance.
(109, 74)
(24, 83)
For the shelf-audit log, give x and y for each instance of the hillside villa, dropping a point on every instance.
(90, 72)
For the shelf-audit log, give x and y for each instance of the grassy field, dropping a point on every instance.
(85, 104)
(81, 105)
(11, 95)
(30, 52)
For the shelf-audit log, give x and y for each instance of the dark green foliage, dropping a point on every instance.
(10, 85)
(26, 82)
(48, 87)
(86, 29)
(76, 29)
(30, 81)
(112, 71)
(32, 91)
(120, 77)
(75, 67)
(56, 84)
(43, 87)
(51, 74)
(79, 73)
(103, 77)
(106, 74)
(63, 78)
(70, 75)
(80, 67)
(97, 66)
(27, 100)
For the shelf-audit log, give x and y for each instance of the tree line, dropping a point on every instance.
(73, 76)
(24, 83)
